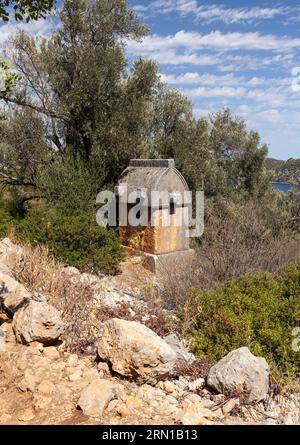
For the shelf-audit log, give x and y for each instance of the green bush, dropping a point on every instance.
(257, 311)
(75, 239)
(5, 220)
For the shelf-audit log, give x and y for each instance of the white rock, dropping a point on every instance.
(96, 396)
(230, 405)
(12, 293)
(196, 384)
(51, 353)
(90, 279)
(2, 341)
(135, 350)
(195, 414)
(177, 345)
(7, 248)
(37, 322)
(69, 270)
(241, 369)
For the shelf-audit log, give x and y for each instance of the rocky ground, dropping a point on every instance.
(130, 378)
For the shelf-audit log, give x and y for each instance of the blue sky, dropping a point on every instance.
(231, 53)
(224, 53)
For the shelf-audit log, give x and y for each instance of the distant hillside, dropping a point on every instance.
(284, 171)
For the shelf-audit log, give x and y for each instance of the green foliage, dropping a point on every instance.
(75, 239)
(98, 108)
(5, 220)
(284, 171)
(70, 185)
(256, 311)
(25, 9)
(239, 153)
(8, 79)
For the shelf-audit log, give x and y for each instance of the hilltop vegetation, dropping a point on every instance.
(284, 171)
(79, 111)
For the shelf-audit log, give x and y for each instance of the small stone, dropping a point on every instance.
(122, 410)
(230, 405)
(37, 345)
(103, 369)
(136, 259)
(46, 387)
(27, 415)
(133, 402)
(207, 403)
(41, 402)
(72, 360)
(90, 375)
(196, 384)
(112, 405)
(218, 398)
(51, 353)
(171, 400)
(166, 386)
(95, 397)
(219, 413)
(69, 270)
(75, 376)
(194, 419)
(194, 398)
(69, 370)
(193, 413)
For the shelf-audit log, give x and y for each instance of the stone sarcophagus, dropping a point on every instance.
(153, 211)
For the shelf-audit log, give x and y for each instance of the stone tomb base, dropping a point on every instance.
(167, 262)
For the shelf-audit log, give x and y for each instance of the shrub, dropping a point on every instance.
(256, 311)
(241, 240)
(5, 220)
(76, 239)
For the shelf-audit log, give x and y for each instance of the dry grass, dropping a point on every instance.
(40, 273)
(239, 243)
(197, 369)
(243, 243)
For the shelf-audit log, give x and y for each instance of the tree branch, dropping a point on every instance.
(42, 110)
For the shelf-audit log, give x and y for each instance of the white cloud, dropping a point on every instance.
(222, 91)
(171, 57)
(204, 79)
(238, 15)
(40, 28)
(212, 12)
(215, 40)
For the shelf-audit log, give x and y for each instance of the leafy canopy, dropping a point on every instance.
(25, 9)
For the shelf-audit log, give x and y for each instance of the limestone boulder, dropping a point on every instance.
(12, 294)
(9, 250)
(97, 395)
(135, 351)
(239, 370)
(37, 321)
